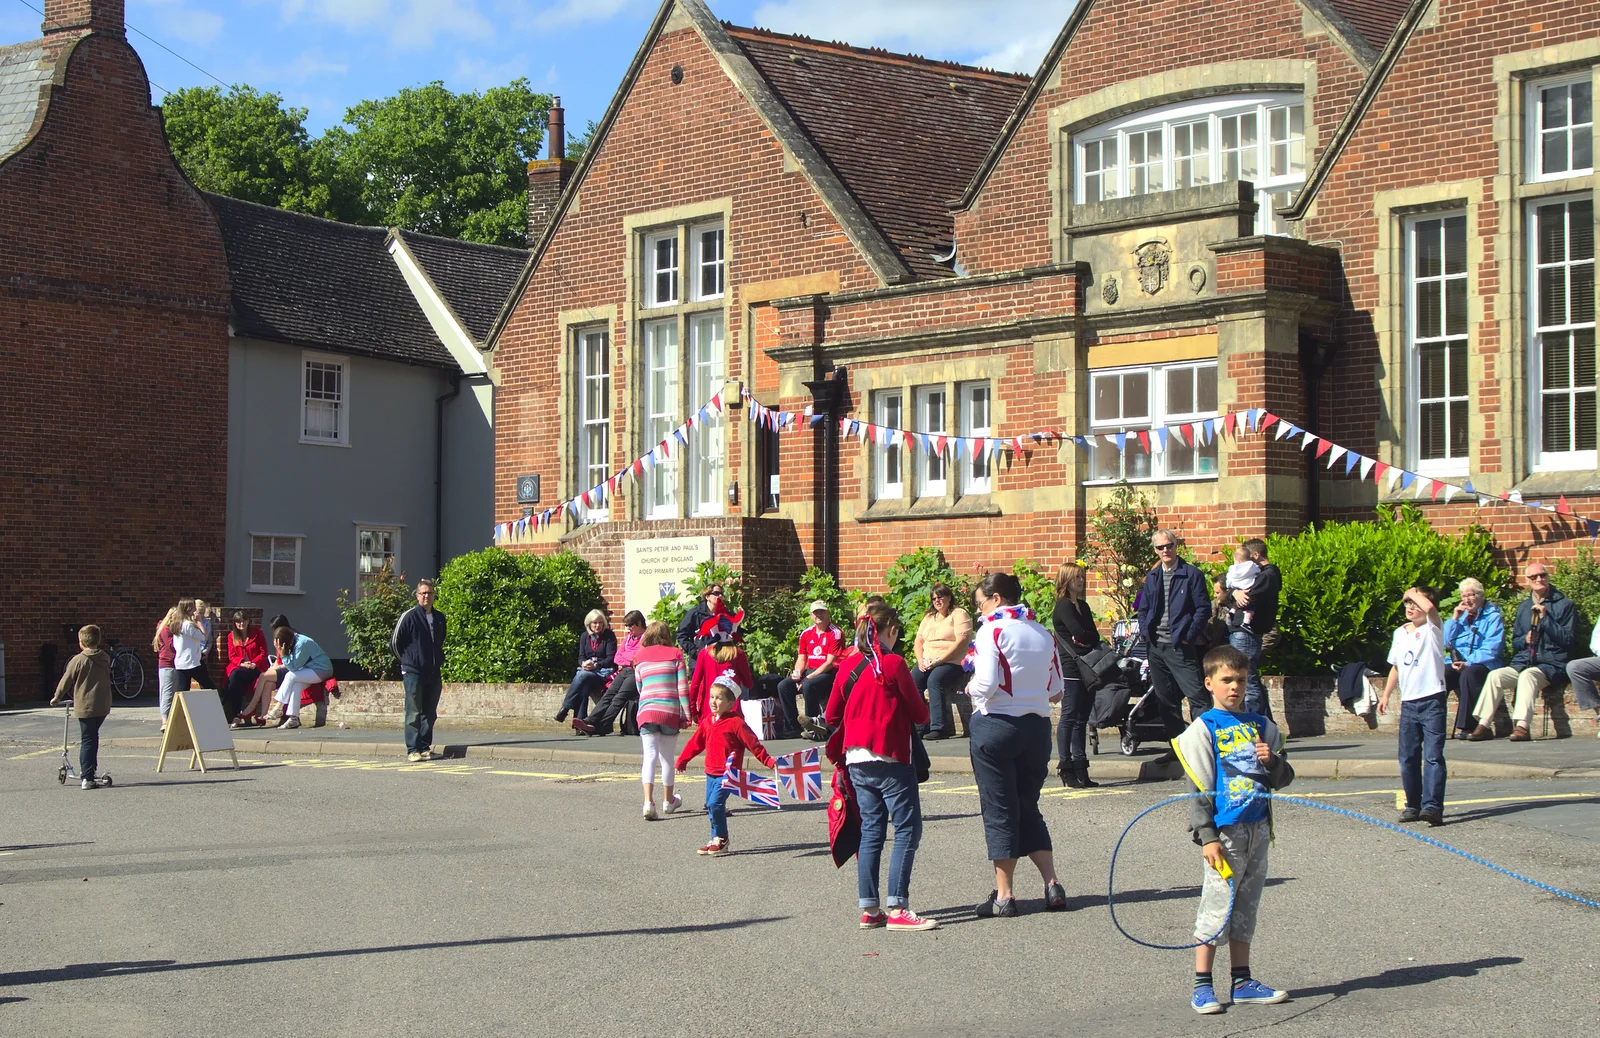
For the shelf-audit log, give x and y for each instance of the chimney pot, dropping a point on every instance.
(79, 16)
(558, 130)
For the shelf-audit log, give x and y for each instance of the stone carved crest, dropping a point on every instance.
(1155, 264)
(1108, 291)
(1197, 278)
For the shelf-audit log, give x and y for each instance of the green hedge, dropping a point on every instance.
(515, 617)
(369, 623)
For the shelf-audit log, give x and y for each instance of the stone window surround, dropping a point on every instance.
(344, 365)
(571, 323)
(1509, 192)
(636, 228)
(1159, 90)
(299, 563)
(907, 377)
(396, 565)
(1154, 369)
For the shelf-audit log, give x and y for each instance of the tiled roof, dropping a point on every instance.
(903, 133)
(310, 282)
(23, 71)
(476, 280)
(1376, 20)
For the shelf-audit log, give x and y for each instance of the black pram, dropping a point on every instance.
(1125, 701)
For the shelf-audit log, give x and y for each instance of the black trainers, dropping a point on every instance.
(1433, 818)
(1410, 814)
(997, 907)
(1055, 897)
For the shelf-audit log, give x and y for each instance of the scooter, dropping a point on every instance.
(66, 770)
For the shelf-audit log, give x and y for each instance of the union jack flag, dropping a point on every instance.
(758, 789)
(801, 774)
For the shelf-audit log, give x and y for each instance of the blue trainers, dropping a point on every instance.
(1205, 1001)
(1253, 993)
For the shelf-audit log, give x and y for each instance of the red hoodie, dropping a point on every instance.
(706, 671)
(720, 736)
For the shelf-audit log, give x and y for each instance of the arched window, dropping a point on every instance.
(1260, 138)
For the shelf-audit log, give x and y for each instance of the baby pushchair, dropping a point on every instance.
(1125, 702)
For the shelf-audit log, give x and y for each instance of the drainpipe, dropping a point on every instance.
(438, 471)
(829, 394)
(1315, 359)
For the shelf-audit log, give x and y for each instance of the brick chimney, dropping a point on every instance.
(548, 177)
(84, 15)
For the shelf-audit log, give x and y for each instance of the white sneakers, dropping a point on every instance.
(672, 805)
(650, 811)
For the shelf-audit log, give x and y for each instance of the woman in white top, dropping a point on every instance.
(1015, 677)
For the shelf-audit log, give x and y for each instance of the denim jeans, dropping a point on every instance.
(886, 793)
(1256, 700)
(940, 683)
(1010, 758)
(1072, 731)
(422, 709)
(89, 746)
(586, 685)
(717, 806)
(1422, 723)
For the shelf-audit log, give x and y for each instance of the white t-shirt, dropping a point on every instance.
(188, 645)
(1016, 670)
(1419, 654)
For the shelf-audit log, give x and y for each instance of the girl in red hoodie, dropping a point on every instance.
(722, 733)
(723, 657)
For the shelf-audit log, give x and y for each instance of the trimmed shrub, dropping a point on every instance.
(908, 585)
(1579, 579)
(1120, 532)
(1342, 584)
(515, 617)
(369, 621)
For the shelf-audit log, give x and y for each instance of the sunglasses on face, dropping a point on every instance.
(1538, 576)
(1164, 547)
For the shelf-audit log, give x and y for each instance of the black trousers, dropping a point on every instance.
(1010, 758)
(196, 675)
(1467, 684)
(89, 746)
(241, 684)
(1175, 675)
(610, 706)
(816, 687)
(1072, 737)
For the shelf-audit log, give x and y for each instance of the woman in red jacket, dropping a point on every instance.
(877, 703)
(247, 660)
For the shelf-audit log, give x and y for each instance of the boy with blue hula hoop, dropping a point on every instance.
(1233, 758)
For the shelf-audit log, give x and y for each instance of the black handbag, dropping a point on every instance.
(1093, 680)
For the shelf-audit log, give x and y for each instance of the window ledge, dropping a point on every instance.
(1208, 477)
(1572, 481)
(255, 590)
(973, 506)
(324, 443)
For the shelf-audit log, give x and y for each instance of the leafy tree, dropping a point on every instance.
(434, 161)
(1120, 532)
(243, 143)
(578, 146)
(369, 621)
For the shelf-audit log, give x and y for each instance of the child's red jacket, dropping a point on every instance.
(720, 736)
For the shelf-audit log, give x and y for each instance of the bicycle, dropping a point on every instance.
(127, 673)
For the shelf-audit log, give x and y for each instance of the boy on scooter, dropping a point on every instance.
(88, 680)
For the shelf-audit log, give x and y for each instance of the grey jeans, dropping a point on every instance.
(1245, 847)
(1584, 673)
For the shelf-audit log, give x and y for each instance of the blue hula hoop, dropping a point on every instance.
(1111, 880)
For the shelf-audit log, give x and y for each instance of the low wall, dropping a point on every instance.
(1305, 706)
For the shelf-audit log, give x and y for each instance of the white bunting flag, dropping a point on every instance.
(1334, 455)
(1366, 468)
(1309, 441)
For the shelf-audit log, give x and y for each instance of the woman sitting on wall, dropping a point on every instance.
(304, 664)
(247, 660)
(943, 637)
(597, 654)
(624, 687)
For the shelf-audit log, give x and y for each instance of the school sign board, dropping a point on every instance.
(197, 724)
(659, 567)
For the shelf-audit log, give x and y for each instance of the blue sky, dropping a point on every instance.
(325, 55)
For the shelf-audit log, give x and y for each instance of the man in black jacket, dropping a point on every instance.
(1173, 611)
(689, 639)
(1542, 643)
(418, 641)
(1260, 603)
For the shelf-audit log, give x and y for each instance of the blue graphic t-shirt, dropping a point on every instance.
(1241, 778)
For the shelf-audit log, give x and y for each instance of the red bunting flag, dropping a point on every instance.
(1268, 421)
(1228, 423)
(1144, 440)
(939, 444)
(1377, 472)
(1323, 447)
(1562, 508)
(1437, 486)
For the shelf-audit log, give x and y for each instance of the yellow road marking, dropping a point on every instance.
(533, 774)
(35, 753)
(1082, 794)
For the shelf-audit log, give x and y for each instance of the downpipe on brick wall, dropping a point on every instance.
(1315, 359)
(438, 470)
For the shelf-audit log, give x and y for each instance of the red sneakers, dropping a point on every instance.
(906, 919)
(715, 847)
(872, 920)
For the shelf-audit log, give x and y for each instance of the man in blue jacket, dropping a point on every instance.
(418, 641)
(1475, 635)
(1173, 611)
(1541, 643)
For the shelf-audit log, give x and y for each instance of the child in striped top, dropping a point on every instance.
(663, 681)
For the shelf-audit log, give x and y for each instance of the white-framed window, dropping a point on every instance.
(377, 548)
(1125, 401)
(888, 463)
(275, 563)
(1172, 147)
(661, 403)
(325, 400)
(1436, 332)
(973, 467)
(707, 442)
(930, 419)
(661, 269)
(1563, 332)
(707, 243)
(1561, 127)
(594, 415)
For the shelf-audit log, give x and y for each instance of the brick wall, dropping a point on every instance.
(113, 371)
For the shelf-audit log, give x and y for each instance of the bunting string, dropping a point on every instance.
(1184, 435)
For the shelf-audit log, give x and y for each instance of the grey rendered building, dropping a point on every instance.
(360, 411)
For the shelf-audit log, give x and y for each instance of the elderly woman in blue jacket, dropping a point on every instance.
(1475, 641)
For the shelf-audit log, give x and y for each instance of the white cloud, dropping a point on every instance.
(309, 65)
(475, 73)
(570, 12)
(1007, 34)
(407, 24)
(174, 19)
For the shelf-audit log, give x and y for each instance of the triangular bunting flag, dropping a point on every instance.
(1379, 468)
(1266, 420)
(1229, 423)
(1207, 430)
(1467, 487)
(1366, 468)
(1323, 448)
(1450, 490)
(1406, 479)
(1081, 442)
(1121, 440)
(1593, 526)
(1308, 441)
(1433, 491)
(1161, 441)
(1334, 454)
(1144, 440)
(1562, 508)
(1351, 460)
